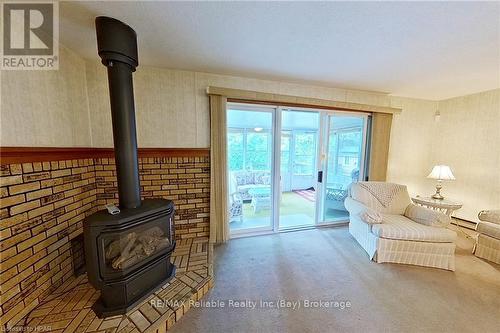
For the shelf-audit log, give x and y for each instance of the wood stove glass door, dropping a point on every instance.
(125, 250)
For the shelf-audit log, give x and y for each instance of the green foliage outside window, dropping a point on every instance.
(305, 153)
(258, 155)
(235, 150)
(249, 150)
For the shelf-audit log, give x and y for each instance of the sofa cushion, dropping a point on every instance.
(262, 178)
(489, 229)
(402, 228)
(427, 216)
(243, 178)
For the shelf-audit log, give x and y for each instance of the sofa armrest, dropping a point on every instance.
(354, 207)
(492, 216)
(366, 214)
(427, 216)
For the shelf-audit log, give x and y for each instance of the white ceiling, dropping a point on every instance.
(427, 50)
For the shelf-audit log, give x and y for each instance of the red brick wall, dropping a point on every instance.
(185, 180)
(43, 205)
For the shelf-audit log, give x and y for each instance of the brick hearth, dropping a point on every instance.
(43, 205)
(68, 308)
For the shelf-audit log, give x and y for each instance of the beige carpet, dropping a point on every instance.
(328, 264)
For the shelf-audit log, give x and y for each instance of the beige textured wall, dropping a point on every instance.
(46, 108)
(172, 105)
(468, 140)
(466, 137)
(166, 112)
(412, 134)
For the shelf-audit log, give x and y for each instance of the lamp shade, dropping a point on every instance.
(441, 172)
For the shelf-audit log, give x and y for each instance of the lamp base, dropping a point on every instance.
(438, 195)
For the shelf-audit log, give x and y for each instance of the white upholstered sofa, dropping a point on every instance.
(391, 229)
(488, 238)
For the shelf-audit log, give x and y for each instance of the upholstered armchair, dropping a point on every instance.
(488, 238)
(390, 228)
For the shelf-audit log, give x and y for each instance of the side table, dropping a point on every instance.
(445, 206)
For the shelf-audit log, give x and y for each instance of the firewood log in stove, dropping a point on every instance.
(140, 247)
(150, 240)
(115, 248)
(129, 257)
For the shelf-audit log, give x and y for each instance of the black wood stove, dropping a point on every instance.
(127, 254)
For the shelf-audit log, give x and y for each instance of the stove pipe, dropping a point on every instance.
(117, 47)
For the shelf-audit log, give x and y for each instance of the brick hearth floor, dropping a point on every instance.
(68, 309)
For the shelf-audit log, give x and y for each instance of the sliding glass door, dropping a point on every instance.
(298, 168)
(344, 162)
(250, 164)
(291, 168)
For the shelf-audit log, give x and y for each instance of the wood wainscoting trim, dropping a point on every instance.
(10, 155)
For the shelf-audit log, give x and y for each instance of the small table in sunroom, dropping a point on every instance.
(261, 198)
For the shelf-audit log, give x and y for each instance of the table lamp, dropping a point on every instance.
(440, 172)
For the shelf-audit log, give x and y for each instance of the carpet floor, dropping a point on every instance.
(327, 264)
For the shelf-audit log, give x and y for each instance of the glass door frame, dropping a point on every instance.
(321, 163)
(276, 204)
(272, 227)
(323, 159)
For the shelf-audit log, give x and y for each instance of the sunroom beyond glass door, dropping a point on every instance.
(345, 141)
(250, 160)
(298, 168)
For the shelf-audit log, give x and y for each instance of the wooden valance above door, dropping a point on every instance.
(255, 97)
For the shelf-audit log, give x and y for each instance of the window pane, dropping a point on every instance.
(285, 151)
(284, 161)
(305, 149)
(257, 141)
(345, 142)
(258, 156)
(349, 150)
(249, 178)
(235, 150)
(303, 165)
